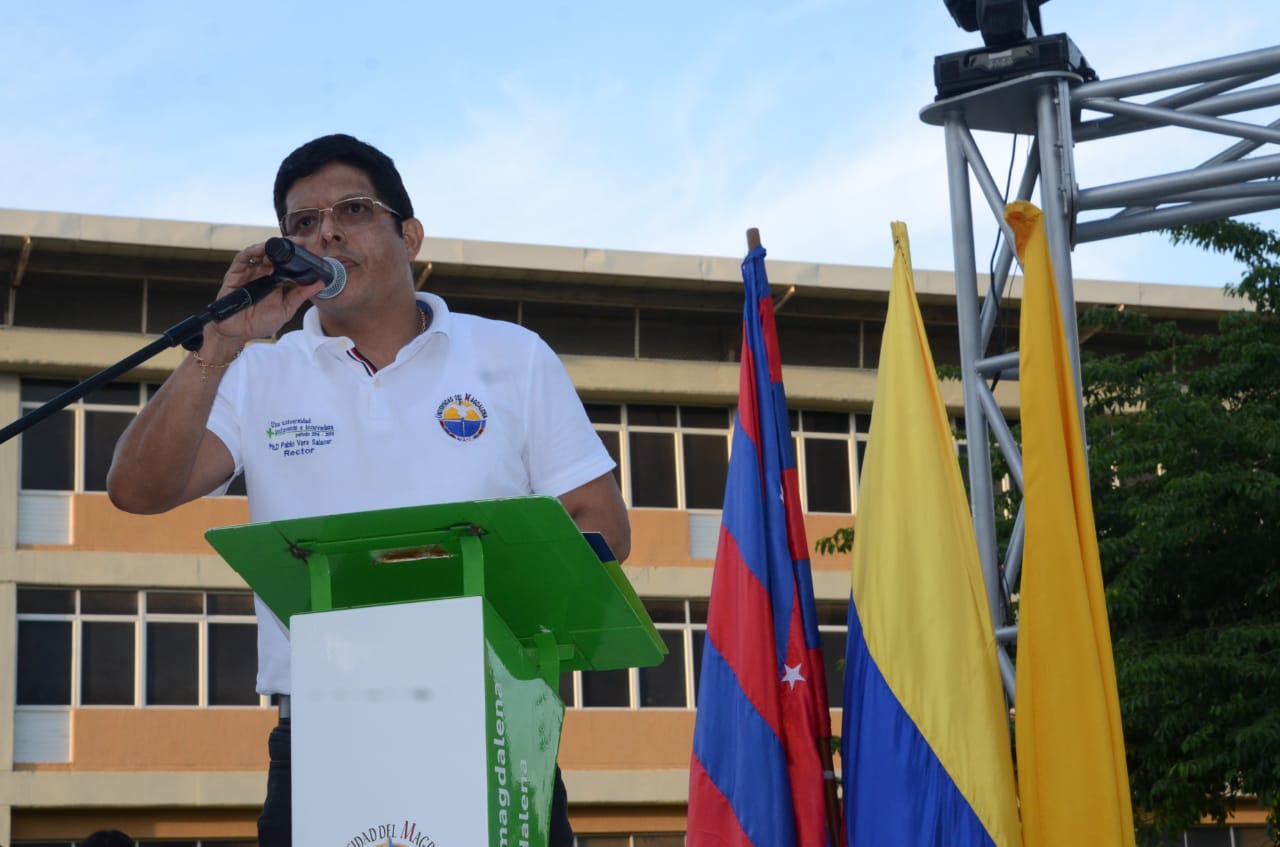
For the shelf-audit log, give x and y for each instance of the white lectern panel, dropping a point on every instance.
(389, 725)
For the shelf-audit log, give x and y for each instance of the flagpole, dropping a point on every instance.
(835, 820)
(830, 781)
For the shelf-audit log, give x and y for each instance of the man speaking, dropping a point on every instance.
(417, 404)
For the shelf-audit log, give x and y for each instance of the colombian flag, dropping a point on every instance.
(926, 748)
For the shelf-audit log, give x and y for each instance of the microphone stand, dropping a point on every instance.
(187, 332)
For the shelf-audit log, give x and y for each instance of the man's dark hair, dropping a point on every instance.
(107, 838)
(346, 150)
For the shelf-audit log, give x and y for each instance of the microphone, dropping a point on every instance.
(293, 262)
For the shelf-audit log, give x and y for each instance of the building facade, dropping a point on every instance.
(127, 644)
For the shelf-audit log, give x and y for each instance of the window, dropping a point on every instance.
(706, 336)
(682, 625)
(607, 421)
(667, 685)
(582, 329)
(944, 342)
(70, 451)
(1231, 836)
(651, 452)
(673, 457)
(677, 457)
(112, 303)
(108, 647)
(833, 633)
(817, 341)
(830, 448)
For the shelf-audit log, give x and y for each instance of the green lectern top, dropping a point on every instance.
(524, 555)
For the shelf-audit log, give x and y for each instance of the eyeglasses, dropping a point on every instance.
(351, 213)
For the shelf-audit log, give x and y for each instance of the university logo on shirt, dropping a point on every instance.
(462, 417)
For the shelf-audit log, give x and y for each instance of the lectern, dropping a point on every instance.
(427, 643)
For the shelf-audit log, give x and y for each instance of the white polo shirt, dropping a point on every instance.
(471, 409)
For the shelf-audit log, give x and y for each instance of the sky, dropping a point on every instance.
(665, 126)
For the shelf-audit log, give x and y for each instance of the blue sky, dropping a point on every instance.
(663, 126)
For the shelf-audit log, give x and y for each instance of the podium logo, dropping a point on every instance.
(462, 417)
(392, 835)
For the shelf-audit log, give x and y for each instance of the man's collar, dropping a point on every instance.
(438, 311)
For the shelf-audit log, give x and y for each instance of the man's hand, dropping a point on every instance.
(597, 507)
(264, 318)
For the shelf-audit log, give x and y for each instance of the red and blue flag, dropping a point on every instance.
(761, 759)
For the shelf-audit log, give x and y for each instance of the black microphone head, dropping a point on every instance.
(281, 251)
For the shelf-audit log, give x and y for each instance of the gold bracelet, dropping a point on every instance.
(205, 366)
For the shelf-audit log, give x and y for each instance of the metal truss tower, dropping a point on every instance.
(1214, 96)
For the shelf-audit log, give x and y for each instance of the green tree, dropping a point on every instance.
(1184, 454)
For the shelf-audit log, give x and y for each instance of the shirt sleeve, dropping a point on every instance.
(563, 450)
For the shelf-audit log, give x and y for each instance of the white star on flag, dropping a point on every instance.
(792, 676)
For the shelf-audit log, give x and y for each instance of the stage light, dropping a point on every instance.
(1002, 23)
(1015, 46)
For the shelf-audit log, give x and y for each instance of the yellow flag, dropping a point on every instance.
(1072, 779)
